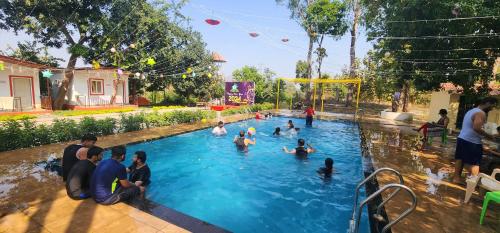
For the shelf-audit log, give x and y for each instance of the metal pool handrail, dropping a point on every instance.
(354, 226)
(370, 177)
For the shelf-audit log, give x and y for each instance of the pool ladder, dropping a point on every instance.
(356, 215)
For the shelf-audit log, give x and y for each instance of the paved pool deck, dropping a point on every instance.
(33, 200)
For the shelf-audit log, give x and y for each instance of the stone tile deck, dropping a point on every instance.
(440, 203)
(33, 200)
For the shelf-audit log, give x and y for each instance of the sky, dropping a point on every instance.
(231, 37)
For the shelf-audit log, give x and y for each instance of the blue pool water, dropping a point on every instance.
(264, 190)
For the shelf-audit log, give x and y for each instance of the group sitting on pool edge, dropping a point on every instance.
(107, 181)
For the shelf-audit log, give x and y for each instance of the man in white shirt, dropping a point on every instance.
(219, 130)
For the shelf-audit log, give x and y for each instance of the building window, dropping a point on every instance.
(96, 87)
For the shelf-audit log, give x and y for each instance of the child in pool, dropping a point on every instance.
(277, 131)
(327, 170)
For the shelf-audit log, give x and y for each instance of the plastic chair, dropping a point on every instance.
(490, 196)
(485, 181)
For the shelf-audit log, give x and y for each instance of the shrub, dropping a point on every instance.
(11, 135)
(65, 130)
(132, 122)
(92, 112)
(106, 126)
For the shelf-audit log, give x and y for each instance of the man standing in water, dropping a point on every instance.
(242, 142)
(301, 151)
(309, 115)
(469, 147)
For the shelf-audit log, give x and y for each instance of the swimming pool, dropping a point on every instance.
(264, 190)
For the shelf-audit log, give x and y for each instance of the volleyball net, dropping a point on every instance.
(325, 95)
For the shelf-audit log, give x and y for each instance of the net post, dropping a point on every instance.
(314, 95)
(322, 95)
(278, 96)
(357, 97)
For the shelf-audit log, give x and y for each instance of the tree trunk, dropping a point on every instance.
(320, 61)
(406, 95)
(309, 67)
(68, 78)
(352, 68)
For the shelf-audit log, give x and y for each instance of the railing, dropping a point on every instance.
(46, 102)
(103, 100)
(356, 210)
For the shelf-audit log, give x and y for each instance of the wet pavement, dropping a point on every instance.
(428, 173)
(34, 200)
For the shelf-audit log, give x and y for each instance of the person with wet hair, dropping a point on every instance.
(139, 172)
(327, 170)
(277, 131)
(78, 180)
(242, 142)
(300, 151)
(219, 130)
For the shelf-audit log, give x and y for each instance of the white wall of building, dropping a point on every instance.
(5, 83)
(79, 91)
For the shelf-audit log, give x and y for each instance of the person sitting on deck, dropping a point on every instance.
(69, 156)
(327, 170)
(277, 131)
(242, 142)
(433, 128)
(78, 180)
(219, 130)
(301, 151)
(109, 184)
(139, 172)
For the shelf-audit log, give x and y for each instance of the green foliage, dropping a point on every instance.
(25, 133)
(440, 59)
(248, 109)
(264, 90)
(31, 51)
(65, 130)
(132, 122)
(17, 117)
(92, 112)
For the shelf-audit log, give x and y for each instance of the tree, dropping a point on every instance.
(264, 87)
(454, 50)
(298, 12)
(327, 18)
(30, 51)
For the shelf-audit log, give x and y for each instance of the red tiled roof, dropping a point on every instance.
(494, 86)
(21, 62)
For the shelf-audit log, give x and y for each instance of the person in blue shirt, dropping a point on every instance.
(108, 172)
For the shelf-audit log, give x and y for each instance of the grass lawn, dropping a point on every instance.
(91, 112)
(17, 117)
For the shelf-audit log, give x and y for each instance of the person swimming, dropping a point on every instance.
(327, 170)
(290, 125)
(242, 142)
(301, 151)
(277, 131)
(219, 130)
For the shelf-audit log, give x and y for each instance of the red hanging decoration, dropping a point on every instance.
(212, 21)
(285, 40)
(253, 34)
